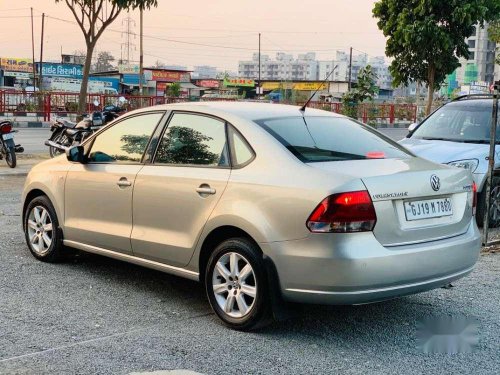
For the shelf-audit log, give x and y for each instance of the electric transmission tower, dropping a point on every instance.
(127, 46)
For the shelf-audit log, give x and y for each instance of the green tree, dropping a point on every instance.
(174, 90)
(93, 17)
(103, 62)
(185, 146)
(494, 35)
(366, 89)
(427, 37)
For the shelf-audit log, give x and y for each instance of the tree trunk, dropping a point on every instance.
(82, 100)
(431, 76)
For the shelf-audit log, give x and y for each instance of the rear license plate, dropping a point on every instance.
(429, 208)
(7, 136)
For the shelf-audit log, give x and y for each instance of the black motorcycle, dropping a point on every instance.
(8, 147)
(66, 133)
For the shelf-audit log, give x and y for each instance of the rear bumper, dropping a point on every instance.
(356, 268)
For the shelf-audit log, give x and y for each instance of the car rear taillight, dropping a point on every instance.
(5, 128)
(474, 198)
(344, 213)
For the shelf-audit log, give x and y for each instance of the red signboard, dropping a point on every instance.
(170, 76)
(161, 87)
(208, 83)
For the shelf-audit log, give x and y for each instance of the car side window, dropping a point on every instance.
(192, 139)
(126, 141)
(241, 152)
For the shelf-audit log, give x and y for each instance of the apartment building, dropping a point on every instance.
(282, 67)
(480, 66)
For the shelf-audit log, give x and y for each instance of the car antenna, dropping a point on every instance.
(303, 108)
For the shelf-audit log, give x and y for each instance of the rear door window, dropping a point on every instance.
(196, 140)
(321, 139)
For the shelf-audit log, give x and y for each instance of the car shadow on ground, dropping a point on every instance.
(362, 321)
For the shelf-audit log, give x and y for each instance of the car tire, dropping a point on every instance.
(494, 221)
(237, 286)
(41, 229)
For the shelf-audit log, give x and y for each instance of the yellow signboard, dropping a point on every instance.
(299, 86)
(276, 85)
(310, 86)
(14, 64)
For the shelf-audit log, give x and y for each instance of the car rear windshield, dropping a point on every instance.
(322, 139)
(467, 121)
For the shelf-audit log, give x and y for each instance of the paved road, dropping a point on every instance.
(33, 139)
(92, 315)
(395, 134)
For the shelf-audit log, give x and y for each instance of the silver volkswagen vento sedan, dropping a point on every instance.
(259, 202)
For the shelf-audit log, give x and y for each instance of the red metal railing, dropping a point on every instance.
(47, 103)
(374, 113)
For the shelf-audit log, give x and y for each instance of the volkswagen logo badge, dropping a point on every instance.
(435, 183)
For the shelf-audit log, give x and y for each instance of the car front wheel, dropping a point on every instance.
(41, 230)
(236, 285)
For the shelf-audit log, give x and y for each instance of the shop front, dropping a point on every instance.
(163, 79)
(16, 73)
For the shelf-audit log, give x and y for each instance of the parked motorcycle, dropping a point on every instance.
(66, 133)
(8, 147)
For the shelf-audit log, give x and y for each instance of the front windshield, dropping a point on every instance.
(467, 121)
(322, 139)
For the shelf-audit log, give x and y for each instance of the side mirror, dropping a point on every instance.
(412, 127)
(76, 154)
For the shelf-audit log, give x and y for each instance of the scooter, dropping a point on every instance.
(8, 147)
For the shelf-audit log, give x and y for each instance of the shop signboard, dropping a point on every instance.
(161, 87)
(241, 82)
(169, 76)
(310, 86)
(128, 69)
(14, 64)
(299, 86)
(61, 70)
(18, 75)
(208, 83)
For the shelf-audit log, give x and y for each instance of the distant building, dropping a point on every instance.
(204, 71)
(282, 67)
(341, 73)
(480, 66)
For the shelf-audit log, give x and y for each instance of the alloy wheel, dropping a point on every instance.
(234, 285)
(40, 230)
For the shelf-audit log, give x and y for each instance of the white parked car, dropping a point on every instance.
(458, 134)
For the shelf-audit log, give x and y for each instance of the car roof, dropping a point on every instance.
(479, 102)
(248, 110)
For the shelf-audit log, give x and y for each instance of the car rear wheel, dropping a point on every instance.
(236, 285)
(494, 219)
(41, 230)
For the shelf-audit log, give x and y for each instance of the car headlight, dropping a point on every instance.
(470, 164)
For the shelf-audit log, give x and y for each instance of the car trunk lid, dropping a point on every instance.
(415, 200)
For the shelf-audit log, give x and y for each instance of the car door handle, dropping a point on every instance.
(205, 190)
(123, 182)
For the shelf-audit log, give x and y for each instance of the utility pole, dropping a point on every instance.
(350, 70)
(41, 53)
(33, 49)
(141, 57)
(258, 85)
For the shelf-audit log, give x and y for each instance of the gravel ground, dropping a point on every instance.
(95, 315)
